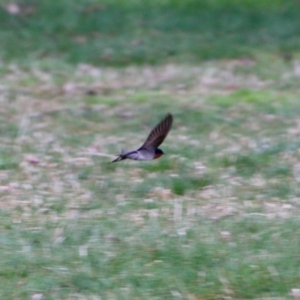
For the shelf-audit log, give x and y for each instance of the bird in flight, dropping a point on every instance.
(149, 150)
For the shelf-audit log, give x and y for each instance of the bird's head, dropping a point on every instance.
(158, 153)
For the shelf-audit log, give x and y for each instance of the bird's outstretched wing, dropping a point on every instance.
(158, 133)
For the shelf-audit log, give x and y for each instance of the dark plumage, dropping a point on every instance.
(149, 150)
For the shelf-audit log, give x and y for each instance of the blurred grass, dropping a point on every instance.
(216, 217)
(148, 32)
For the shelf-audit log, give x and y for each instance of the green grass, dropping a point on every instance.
(153, 32)
(216, 217)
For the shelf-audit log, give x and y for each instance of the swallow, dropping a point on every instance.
(149, 150)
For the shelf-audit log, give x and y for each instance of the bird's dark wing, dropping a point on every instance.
(159, 133)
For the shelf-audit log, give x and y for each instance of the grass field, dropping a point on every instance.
(217, 217)
(119, 32)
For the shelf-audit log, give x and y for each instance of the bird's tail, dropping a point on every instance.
(120, 157)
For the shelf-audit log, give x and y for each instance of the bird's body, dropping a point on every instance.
(149, 150)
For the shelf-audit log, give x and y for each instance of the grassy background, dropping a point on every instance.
(217, 217)
(125, 32)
